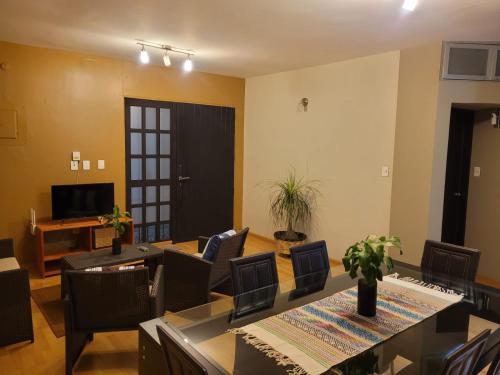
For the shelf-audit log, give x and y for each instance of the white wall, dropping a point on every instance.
(343, 140)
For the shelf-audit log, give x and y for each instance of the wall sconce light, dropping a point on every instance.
(495, 118)
(305, 103)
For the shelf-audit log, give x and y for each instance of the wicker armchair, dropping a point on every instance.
(16, 323)
(189, 279)
(108, 301)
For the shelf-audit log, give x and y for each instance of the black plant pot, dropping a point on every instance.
(367, 298)
(117, 246)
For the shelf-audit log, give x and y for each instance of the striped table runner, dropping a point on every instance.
(324, 333)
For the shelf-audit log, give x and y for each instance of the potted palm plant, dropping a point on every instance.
(368, 256)
(116, 220)
(292, 202)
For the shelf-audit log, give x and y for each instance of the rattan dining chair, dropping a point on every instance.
(450, 260)
(463, 360)
(255, 283)
(311, 265)
(254, 272)
(108, 301)
(178, 358)
(310, 258)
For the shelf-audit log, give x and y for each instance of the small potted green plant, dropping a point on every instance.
(116, 220)
(368, 256)
(292, 202)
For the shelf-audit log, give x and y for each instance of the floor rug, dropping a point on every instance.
(324, 333)
(50, 304)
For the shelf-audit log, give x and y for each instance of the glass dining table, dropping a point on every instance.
(419, 349)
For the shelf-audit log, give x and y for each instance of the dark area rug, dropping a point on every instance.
(50, 304)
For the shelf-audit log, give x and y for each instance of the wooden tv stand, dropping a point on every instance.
(48, 261)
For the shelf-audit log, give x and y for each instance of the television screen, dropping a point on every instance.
(84, 200)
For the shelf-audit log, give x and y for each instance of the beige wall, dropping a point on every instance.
(423, 120)
(75, 102)
(413, 151)
(343, 140)
(483, 204)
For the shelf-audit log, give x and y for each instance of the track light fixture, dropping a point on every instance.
(144, 56)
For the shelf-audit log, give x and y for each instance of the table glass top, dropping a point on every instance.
(418, 350)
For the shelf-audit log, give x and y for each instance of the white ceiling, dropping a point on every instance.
(246, 38)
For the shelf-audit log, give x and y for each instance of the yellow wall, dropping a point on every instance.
(342, 141)
(483, 203)
(75, 102)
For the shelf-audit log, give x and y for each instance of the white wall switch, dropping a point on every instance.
(477, 171)
(75, 155)
(74, 165)
(385, 171)
(86, 165)
(101, 164)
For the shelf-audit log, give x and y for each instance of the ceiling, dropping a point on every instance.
(246, 38)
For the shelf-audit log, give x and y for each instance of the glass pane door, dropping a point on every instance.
(148, 158)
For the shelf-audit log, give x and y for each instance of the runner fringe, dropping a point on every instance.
(281, 359)
(424, 284)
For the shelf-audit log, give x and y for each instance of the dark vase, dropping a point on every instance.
(117, 246)
(367, 298)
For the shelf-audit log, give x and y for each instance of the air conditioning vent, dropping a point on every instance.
(471, 61)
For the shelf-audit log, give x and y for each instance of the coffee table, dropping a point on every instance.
(104, 258)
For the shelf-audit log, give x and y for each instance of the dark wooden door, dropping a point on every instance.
(457, 176)
(204, 171)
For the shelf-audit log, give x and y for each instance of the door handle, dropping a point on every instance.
(182, 178)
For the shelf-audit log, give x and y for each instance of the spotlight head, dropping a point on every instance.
(188, 64)
(144, 56)
(410, 5)
(166, 59)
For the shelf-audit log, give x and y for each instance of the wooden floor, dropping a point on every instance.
(109, 353)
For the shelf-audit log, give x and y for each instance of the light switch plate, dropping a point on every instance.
(477, 171)
(101, 164)
(75, 155)
(86, 165)
(385, 171)
(74, 165)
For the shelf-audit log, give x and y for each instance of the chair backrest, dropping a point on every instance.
(109, 300)
(6, 248)
(495, 365)
(310, 258)
(451, 260)
(463, 360)
(179, 360)
(229, 248)
(253, 272)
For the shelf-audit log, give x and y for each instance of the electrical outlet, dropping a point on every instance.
(86, 165)
(74, 165)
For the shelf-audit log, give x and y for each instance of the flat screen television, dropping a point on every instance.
(83, 200)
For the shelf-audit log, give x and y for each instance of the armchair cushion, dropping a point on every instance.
(213, 244)
(7, 264)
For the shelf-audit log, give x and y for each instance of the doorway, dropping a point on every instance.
(179, 169)
(457, 176)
